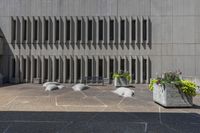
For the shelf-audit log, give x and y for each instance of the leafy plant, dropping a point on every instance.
(186, 86)
(125, 75)
(153, 81)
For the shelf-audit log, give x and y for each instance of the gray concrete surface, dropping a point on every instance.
(28, 108)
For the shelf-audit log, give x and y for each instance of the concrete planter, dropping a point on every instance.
(37, 80)
(120, 82)
(170, 96)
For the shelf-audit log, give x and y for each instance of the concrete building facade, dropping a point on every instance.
(67, 40)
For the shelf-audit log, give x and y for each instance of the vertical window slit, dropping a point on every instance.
(122, 30)
(100, 30)
(68, 30)
(79, 30)
(111, 30)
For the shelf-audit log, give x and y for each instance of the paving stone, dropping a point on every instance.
(36, 127)
(160, 128)
(4, 126)
(105, 127)
(109, 98)
(96, 109)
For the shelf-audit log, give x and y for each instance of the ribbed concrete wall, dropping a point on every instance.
(174, 33)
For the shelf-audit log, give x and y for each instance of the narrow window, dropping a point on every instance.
(35, 68)
(111, 68)
(133, 30)
(79, 30)
(14, 24)
(68, 30)
(89, 67)
(57, 69)
(46, 69)
(24, 68)
(122, 30)
(90, 30)
(144, 30)
(46, 30)
(144, 69)
(100, 30)
(57, 30)
(100, 68)
(36, 30)
(122, 65)
(67, 69)
(111, 30)
(13, 68)
(25, 30)
(78, 69)
(133, 69)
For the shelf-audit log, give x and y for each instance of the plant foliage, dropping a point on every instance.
(186, 86)
(125, 75)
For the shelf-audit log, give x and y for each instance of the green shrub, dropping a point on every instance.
(152, 82)
(122, 75)
(186, 86)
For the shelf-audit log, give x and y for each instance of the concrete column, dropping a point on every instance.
(64, 31)
(108, 67)
(38, 67)
(27, 69)
(141, 69)
(17, 29)
(32, 68)
(141, 30)
(97, 66)
(107, 28)
(115, 64)
(71, 69)
(60, 69)
(148, 70)
(21, 29)
(93, 66)
(86, 66)
(105, 67)
(43, 69)
(119, 63)
(54, 27)
(117, 30)
(137, 30)
(75, 69)
(137, 73)
(49, 69)
(60, 30)
(43, 29)
(130, 68)
(86, 29)
(54, 68)
(75, 19)
(96, 29)
(64, 69)
(82, 68)
(21, 69)
(17, 69)
(126, 64)
(148, 33)
(129, 29)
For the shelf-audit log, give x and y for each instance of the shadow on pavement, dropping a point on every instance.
(98, 122)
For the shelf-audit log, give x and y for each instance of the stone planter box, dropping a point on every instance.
(170, 96)
(120, 82)
(37, 80)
